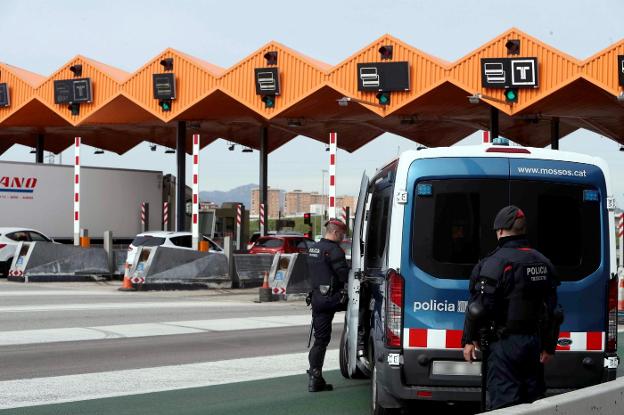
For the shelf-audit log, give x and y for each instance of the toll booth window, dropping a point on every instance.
(562, 224)
(270, 243)
(148, 241)
(185, 241)
(452, 224)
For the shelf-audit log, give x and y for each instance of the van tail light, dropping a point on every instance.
(395, 290)
(612, 329)
(2, 245)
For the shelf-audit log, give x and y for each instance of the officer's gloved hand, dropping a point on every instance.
(308, 299)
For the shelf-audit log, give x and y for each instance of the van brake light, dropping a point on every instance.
(394, 308)
(2, 245)
(612, 329)
(507, 150)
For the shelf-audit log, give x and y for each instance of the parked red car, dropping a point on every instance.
(281, 244)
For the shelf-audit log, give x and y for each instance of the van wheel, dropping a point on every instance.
(344, 360)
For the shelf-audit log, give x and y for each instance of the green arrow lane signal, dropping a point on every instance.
(165, 105)
(511, 95)
(383, 98)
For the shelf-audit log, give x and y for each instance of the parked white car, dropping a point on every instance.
(180, 240)
(9, 238)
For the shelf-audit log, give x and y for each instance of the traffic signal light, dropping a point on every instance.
(165, 104)
(383, 98)
(307, 219)
(269, 101)
(511, 95)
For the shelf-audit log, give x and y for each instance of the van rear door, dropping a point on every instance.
(568, 223)
(447, 229)
(349, 346)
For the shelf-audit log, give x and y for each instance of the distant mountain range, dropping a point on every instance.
(240, 194)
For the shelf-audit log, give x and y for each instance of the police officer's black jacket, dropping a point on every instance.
(517, 287)
(327, 265)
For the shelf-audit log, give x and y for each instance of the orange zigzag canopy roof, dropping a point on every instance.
(222, 103)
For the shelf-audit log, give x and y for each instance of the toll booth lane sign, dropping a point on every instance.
(5, 100)
(383, 76)
(164, 86)
(509, 73)
(73, 91)
(621, 69)
(267, 81)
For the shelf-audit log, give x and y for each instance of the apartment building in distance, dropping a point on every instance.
(298, 202)
(275, 200)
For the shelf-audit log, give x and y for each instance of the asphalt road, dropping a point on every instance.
(88, 349)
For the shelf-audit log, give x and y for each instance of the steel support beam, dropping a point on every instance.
(494, 127)
(181, 179)
(554, 133)
(39, 149)
(264, 188)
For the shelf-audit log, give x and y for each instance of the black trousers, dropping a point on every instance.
(515, 374)
(323, 310)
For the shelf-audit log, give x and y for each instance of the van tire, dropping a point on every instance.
(344, 360)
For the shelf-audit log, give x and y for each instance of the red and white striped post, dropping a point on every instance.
(333, 138)
(77, 191)
(620, 237)
(343, 215)
(261, 219)
(486, 137)
(165, 216)
(239, 218)
(195, 225)
(144, 216)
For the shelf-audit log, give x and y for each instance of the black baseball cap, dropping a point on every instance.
(506, 217)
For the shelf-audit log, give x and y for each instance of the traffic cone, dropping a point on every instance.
(265, 283)
(265, 293)
(127, 284)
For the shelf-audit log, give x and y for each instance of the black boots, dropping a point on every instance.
(317, 383)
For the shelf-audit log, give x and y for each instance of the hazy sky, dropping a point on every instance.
(43, 35)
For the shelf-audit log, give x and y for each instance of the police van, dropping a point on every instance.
(422, 223)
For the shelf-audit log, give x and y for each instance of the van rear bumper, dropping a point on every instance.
(393, 379)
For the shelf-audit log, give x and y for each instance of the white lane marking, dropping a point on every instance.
(121, 331)
(123, 306)
(46, 293)
(69, 388)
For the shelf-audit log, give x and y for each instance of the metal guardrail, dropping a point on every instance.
(603, 399)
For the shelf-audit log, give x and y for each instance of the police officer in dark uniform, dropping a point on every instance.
(329, 273)
(515, 289)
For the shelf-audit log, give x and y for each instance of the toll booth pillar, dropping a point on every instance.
(554, 133)
(263, 193)
(181, 179)
(39, 149)
(494, 123)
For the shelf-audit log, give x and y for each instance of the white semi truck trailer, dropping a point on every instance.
(41, 197)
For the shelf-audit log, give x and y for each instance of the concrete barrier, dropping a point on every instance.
(171, 268)
(289, 278)
(45, 261)
(250, 269)
(603, 399)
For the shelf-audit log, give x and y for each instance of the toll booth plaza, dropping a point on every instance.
(515, 87)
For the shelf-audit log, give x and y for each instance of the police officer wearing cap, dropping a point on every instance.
(329, 273)
(513, 300)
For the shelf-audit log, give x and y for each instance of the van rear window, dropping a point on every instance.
(452, 225)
